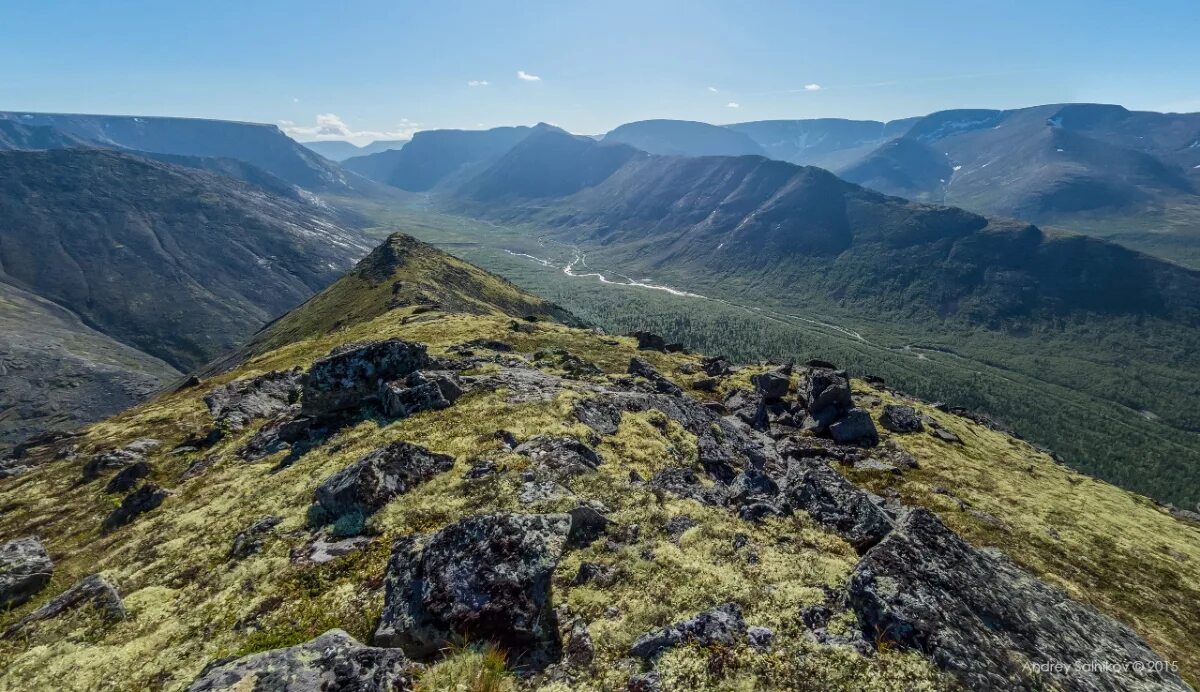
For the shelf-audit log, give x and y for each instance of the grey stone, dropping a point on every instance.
(979, 617)
(93, 589)
(25, 569)
(855, 428)
(641, 368)
(237, 403)
(136, 503)
(332, 661)
(128, 477)
(374, 480)
(831, 500)
(722, 625)
(484, 578)
(420, 391)
(901, 419)
(350, 377)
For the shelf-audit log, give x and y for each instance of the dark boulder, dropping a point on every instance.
(332, 661)
(855, 428)
(93, 589)
(350, 377)
(774, 384)
(420, 391)
(250, 540)
(826, 396)
(648, 341)
(832, 501)
(559, 457)
(128, 477)
(587, 525)
(641, 368)
(118, 458)
(371, 482)
(579, 650)
(752, 485)
(979, 617)
(901, 419)
(136, 503)
(721, 626)
(485, 578)
(716, 366)
(600, 415)
(760, 638)
(237, 403)
(678, 525)
(595, 573)
(686, 483)
(650, 681)
(25, 569)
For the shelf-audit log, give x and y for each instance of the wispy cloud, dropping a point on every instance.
(713, 89)
(331, 126)
(733, 104)
(812, 87)
(477, 83)
(523, 75)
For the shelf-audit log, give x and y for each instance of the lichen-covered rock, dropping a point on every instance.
(826, 396)
(854, 428)
(989, 623)
(814, 487)
(93, 589)
(722, 625)
(348, 378)
(128, 477)
(332, 661)
(686, 483)
(639, 367)
(250, 540)
(111, 459)
(420, 391)
(559, 457)
(237, 403)
(774, 384)
(901, 419)
(138, 502)
(485, 578)
(25, 569)
(371, 482)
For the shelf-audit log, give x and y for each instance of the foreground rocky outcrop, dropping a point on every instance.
(332, 661)
(92, 590)
(371, 482)
(989, 623)
(482, 579)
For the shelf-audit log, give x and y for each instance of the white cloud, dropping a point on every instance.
(713, 89)
(523, 75)
(812, 87)
(477, 83)
(733, 104)
(331, 126)
(295, 99)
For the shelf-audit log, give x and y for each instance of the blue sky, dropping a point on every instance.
(373, 69)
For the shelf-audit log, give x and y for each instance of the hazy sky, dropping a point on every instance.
(376, 69)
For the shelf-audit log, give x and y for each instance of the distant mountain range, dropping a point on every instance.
(142, 268)
(340, 150)
(437, 157)
(263, 146)
(1127, 175)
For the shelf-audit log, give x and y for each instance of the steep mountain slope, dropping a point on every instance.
(684, 138)
(1099, 169)
(560, 522)
(1063, 310)
(381, 145)
(56, 373)
(126, 269)
(825, 142)
(437, 157)
(264, 146)
(14, 135)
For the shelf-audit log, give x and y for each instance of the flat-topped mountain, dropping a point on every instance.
(437, 157)
(684, 138)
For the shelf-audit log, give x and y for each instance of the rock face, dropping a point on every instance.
(93, 589)
(241, 401)
(854, 428)
(835, 503)
(901, 419)
(989, 623)
(484, 578)
(138, 502)
(332, 661)
(24, 570)
(349, 377)
(420, 391)
(774, 384)
(371, 482)
(639, 367)
(559, 457)
(826, 394)
(722, 625)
